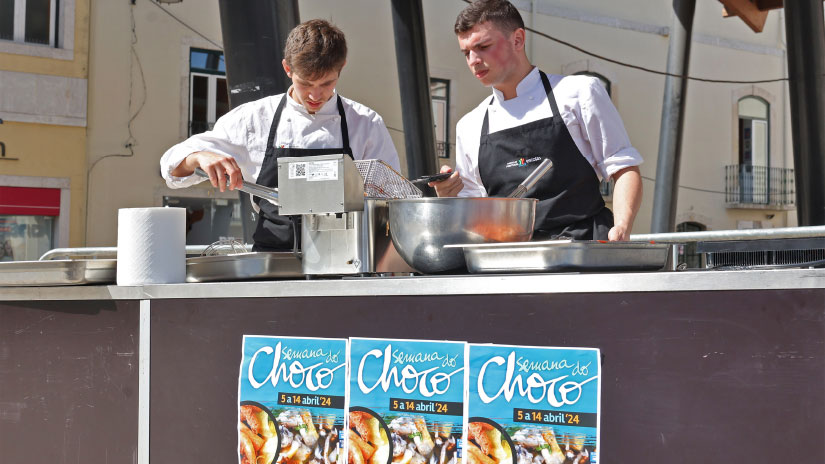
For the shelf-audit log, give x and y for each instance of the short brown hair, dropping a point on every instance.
(314, 48)
(500, 12)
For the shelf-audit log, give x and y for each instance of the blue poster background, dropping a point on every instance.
(536, 392)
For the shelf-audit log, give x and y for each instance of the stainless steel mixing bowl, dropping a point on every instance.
(420, 227)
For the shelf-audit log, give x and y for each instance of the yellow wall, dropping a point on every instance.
(46, 150)
(77, 67)
(50, 151)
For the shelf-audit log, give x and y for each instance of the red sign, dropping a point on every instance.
(29, 201)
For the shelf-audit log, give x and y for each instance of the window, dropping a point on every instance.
(209, 219)
(29, 21)
(440, 92)
(754, 159)
(208, 94)
(753, 132)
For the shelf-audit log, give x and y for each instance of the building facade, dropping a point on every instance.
(44, 63)
(156, 76)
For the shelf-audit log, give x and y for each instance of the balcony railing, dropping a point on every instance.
(748, 185)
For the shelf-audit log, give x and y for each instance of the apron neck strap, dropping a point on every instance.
(273, 129)
(550, 98)
(344, 128)
(485, 126)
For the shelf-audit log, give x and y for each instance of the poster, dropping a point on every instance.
(406, 401)
(292, 400)
(532, 405)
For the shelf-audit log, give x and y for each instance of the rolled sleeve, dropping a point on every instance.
(603, 127)
(622, 159)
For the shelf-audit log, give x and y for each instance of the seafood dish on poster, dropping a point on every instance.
(533, 405)
(292, 400)
(406, 402)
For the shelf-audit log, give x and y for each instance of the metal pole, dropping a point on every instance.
(414, 81)
(254, 36)
(673, 109)
(805, 35)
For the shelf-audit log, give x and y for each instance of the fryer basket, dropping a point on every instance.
(382, 181)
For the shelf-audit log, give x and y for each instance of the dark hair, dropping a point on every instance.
(500, 12)
(315, 48)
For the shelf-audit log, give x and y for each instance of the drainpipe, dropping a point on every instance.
(805, 35)
(673, 109)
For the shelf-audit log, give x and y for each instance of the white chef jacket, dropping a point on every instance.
(242, 134)
(587, 111)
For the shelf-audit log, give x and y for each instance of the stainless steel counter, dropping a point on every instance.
(442, 285)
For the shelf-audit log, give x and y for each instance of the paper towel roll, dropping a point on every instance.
(151, 246)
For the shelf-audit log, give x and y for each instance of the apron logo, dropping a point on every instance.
(521, 162)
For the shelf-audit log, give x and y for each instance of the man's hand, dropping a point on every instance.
(618, 233)
(450, 186)
(217, 166)
(627, 197)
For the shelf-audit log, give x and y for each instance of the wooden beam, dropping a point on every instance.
(747, 11)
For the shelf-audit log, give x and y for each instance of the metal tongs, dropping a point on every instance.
(531, 180)
(260, 191)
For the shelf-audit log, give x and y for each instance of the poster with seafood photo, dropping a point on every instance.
(406, 401)
(533, 405)
(292, 400)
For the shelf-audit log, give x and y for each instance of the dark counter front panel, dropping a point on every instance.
(687, 377)
(69, 382)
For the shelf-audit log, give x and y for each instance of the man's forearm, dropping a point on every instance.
(627, 197)
(183, 169)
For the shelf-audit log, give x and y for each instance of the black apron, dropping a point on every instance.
(274, 232)
(570, 203)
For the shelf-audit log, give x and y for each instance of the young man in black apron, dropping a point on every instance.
(572, 122)
(311, 119)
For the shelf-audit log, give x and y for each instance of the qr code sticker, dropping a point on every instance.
(298, 171)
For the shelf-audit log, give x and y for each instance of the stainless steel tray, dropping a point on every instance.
(58, 272)
(565, 255)
(243, 266)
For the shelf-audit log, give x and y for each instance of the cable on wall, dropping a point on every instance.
(130, 140)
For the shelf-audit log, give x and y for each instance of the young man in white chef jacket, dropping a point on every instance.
(532, 116)
(310, 119)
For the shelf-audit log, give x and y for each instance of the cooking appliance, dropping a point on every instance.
(345, 213)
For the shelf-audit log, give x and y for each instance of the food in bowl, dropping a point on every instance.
(258, 436)
(487, 445)
(414, 442)
(368, 440)
(539, 445)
